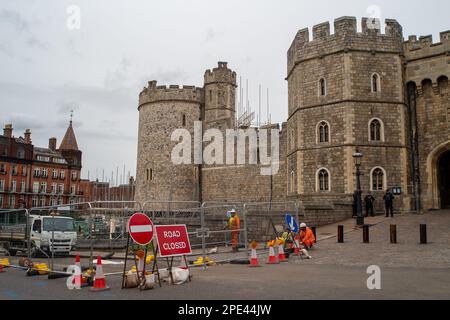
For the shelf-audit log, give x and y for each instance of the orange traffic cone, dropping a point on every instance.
(254, 259)
(281, 255)
(272, 258)
(100, 280)
(80, 277)
(297, 247)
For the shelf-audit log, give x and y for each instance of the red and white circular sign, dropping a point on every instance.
(140, 228)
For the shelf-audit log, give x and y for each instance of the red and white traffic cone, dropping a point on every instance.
(281, 255)
(183, 264)
(100, 280)
(272, 258)
(254, 259)
(79, 277)
(297, 247)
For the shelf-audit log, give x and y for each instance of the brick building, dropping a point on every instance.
(348, 91)
(37, 177)
(103, 191)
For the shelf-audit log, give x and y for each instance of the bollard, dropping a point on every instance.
(366, 238)
(314, 230)
(393, 233)
(423, 234)
(340, 234)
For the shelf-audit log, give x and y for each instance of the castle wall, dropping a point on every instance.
(428, 67)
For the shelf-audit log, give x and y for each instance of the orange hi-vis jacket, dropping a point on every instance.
(307, 237)
(235, 223)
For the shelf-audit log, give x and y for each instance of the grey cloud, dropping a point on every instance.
(15, 19)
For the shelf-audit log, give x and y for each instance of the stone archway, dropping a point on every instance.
(437, 195)
(443, 179)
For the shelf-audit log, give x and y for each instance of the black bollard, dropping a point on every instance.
(340, 234)
(423, 234)
(393, 233)
(366, 238)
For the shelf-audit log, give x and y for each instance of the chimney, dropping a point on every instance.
(7, 131)
(52, 144)
(27, 136)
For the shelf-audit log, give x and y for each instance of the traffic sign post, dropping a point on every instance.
(141, 231)
(291, 223)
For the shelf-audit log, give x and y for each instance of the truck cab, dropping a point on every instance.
(53, 232)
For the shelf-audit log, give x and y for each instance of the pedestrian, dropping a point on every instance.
(389, 203)
(234, 224)
(369, 201)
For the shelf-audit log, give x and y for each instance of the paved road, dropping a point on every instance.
(338, 271)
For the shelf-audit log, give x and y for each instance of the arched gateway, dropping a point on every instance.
(438, 171)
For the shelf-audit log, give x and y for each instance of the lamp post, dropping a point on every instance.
(360, 217)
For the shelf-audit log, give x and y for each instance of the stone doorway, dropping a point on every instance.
(443, 172)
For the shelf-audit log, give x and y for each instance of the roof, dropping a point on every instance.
(69, 141)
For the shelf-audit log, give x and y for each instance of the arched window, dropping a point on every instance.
(442, 85)
(149, 174)
(378, 179)
(292, 182)
(376, 130)
(323, 180)
(323, 132)
(322, 87)
(376, 83)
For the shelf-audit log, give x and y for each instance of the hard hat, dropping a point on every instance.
(233, 211)
(303, 225)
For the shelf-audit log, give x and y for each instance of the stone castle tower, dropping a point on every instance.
(349, 91)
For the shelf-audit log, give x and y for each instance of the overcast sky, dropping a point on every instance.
(47, 69)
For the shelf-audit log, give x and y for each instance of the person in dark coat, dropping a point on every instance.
(369, 201)
(389, 203)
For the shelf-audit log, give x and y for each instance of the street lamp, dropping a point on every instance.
(357, 156)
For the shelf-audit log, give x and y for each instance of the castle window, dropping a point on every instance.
(292, 139)
(376, 83)
(149, 174)
(376, 130)
(323, 132)
(377, 178)
(210, 95)
(442, 85)
(292, 182)
(183, 120)
(323, 180)
(322, 87)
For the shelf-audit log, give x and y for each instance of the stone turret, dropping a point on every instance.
(220, 97)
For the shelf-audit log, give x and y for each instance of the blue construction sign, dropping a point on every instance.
(291, 223)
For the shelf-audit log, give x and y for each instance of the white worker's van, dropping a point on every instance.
(55, 234)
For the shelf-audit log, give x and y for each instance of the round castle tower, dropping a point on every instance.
(161, 111)
(346, 93)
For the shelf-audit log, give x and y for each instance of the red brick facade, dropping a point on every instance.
(38, 177)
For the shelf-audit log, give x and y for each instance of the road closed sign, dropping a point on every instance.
(173, 240)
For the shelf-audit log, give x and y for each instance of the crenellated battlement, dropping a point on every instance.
(345, 38)
(221, 74)
(155, 93)
(416, 48)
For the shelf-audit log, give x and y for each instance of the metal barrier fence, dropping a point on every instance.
(102, 225)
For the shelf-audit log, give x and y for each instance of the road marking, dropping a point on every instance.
(138, 229)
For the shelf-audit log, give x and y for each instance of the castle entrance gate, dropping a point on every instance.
(443, 172)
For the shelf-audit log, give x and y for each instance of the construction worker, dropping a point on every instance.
(307, 236)
(234, 224)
